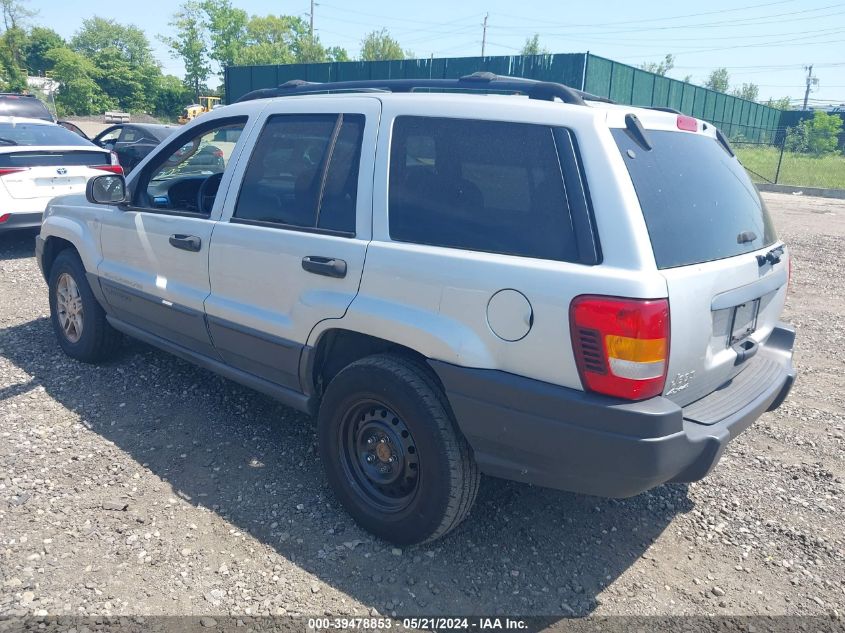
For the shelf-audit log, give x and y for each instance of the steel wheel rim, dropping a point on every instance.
(379, 456)
(69, 308)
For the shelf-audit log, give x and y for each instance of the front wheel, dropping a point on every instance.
(392, 453)
(78, 319)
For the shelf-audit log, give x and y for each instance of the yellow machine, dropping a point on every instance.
(192, 111)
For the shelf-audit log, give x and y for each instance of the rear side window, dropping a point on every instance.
(698, 202)
(303, 173)
(479, 185)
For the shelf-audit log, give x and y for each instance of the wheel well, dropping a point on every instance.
(338, 348)
(52, 247)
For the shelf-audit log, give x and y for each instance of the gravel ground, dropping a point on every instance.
(147, 486)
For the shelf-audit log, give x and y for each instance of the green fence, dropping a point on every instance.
(738, 118)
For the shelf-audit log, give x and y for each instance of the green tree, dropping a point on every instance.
(718, 80)
(99, 34)
(189, 44)
(660, 68)
(170, 97)
(532, 46)
(227, 28)
(379, 46)
(748, 91)
(12, 44)
(819, 135)
(126, 70)
(78, 92)
(784, 103)
(41, 41)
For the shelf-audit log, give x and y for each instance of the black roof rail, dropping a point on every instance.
(480, 81)
(662, 109)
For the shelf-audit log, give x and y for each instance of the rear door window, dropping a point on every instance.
(303, 173)
(697, 200)
(479, 185)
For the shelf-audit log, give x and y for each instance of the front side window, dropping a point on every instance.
(303, 173)
(479, 185)
(186, 177)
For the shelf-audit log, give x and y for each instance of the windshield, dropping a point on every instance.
(698, 203)
(38, 134)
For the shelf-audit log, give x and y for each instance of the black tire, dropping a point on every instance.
(97, 340)
(425, 501)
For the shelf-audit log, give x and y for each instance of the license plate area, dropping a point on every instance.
(743, 321)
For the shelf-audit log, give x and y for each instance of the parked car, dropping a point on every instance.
(130, 141)
(21, 105)
(555, 290)
(38, 161)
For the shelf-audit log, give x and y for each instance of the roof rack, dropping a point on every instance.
(480, 81)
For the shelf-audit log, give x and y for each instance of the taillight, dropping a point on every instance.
(621, 345)
(5, 217)
(218, 153)
(687, 123)
(5, 171)
(115, 169)
(114, 159)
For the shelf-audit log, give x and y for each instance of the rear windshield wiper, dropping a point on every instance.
(8, 141)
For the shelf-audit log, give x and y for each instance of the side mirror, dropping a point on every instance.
(108, 189)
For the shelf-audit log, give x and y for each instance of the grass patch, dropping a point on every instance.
(802, 170)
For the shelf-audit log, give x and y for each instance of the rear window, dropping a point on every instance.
(698, 202)
(479, 185)
(28, 107)
(38, 134)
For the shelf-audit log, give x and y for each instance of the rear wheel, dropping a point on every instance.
(78, 319)
(392, 453)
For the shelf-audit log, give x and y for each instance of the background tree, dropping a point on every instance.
(747, 91)
(41, 41)
(784, 103)
(12, 43)
(171, 96)
(718, 80)
(532, 46)
(819, 135)
(125, 67)
(227, 28)
(660, 68)
(189, 44)
(379, 46)
(78, 92)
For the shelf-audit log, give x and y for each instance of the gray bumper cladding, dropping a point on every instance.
(552, 436)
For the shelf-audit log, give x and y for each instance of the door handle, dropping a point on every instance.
(186, 242)
(328, 266)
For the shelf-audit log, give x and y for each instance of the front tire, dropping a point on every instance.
(78, 319)
(392, 453)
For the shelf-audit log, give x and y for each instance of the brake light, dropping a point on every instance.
(218, 153)
(621, 345)
(114, 159)
(687, 123)
(115, 169)
(5, 171)
(5, 217)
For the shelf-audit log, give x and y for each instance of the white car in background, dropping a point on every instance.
(40, 160)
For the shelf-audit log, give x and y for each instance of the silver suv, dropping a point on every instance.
(490, 276)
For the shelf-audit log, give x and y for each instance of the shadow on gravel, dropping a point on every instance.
(17, 244)
(523, 550)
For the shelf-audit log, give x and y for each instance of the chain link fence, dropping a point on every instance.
(783, 156)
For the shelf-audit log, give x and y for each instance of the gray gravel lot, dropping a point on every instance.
(147, 486)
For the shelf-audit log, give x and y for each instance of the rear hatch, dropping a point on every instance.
(48, 171)
(714, 243)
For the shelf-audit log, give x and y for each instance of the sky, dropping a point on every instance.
(767, 42)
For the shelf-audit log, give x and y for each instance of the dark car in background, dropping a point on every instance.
(26, 106)
(132, 141)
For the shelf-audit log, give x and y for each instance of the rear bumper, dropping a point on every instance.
(552, 436)
(21, 221)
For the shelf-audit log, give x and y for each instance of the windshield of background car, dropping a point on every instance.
(698, 202)
(206, 154)
(38, 134)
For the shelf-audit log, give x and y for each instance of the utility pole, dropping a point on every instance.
(484, 35)
(312, 19)
(810, 82)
